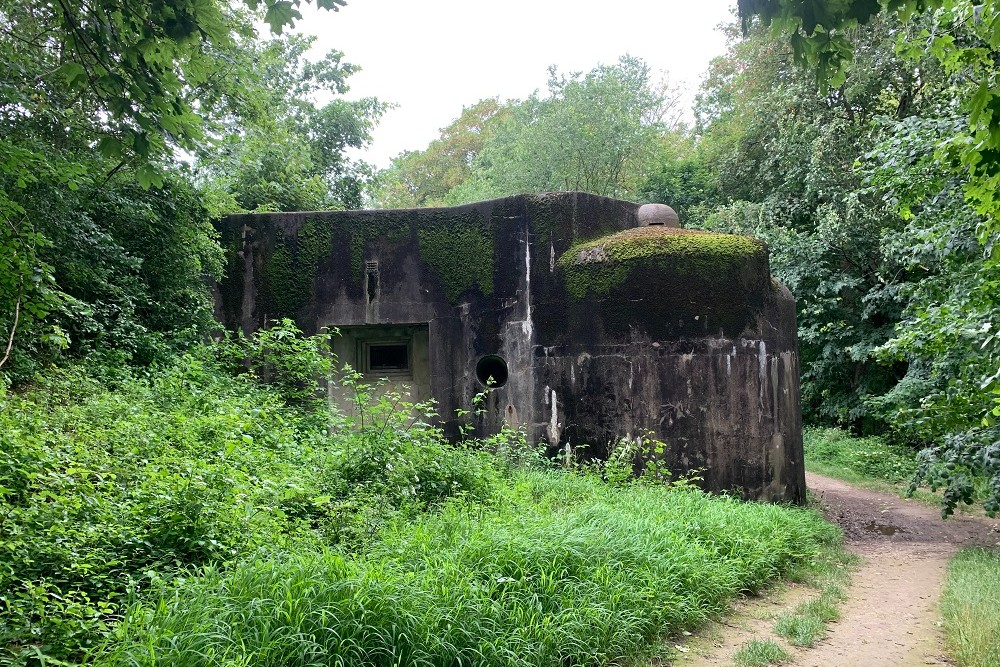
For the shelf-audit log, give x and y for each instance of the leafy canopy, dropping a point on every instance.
(963, 35)
(95, 98)
(924, 166)
(597, 132)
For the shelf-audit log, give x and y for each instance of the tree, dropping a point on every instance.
(424, 178)
(132, 82)
(681, 176)
(961, 34)
(783, 155)
(278, 149)
(951, 394)
(598, 132)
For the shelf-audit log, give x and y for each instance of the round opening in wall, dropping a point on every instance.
(491, 371)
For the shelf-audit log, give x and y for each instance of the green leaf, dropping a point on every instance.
(110, 148)
(148, 176)
(280, 14)
(140, 144)
(74, 74)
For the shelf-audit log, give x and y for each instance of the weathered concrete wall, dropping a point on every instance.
(685, 338)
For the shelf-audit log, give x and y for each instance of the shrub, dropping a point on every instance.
(108, 486)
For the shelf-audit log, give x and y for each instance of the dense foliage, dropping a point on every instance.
(105, 241)
(277, 148)
(198, 484)
(936, 169)
(111, 483)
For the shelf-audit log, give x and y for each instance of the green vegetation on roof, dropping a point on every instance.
(603, 264)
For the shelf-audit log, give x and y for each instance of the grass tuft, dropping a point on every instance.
(807, 623)
(800, 630)
(759, 653)
(971, 608)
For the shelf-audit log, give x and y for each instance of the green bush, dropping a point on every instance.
(283, 357)
(105, 489)
(392, 448)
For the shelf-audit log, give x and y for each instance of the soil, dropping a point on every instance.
(891, 615)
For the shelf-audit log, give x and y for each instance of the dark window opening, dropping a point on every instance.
(388, 357)
(491, 371)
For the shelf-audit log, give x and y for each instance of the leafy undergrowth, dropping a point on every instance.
(200, 517)
(836, 453)
(873, 463)
(970, 606)
(109, 487)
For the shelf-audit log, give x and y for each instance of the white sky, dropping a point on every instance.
(433, 57)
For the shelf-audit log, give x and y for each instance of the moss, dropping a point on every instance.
(231, 283)
(460, 251)
(603, 264)
(289, 272)
(359, 232)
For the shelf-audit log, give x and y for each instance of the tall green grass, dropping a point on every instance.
(559, 569)
(971, 608)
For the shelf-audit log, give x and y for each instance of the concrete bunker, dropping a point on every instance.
(596, 319)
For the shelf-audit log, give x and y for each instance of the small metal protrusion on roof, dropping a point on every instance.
(652, 215)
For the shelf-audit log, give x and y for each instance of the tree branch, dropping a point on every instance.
(13, 328)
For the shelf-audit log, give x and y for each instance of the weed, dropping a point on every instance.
(106, 491)
(807, 622)
(760, 653)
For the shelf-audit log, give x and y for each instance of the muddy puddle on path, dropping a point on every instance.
(890, 617)
(886, 529)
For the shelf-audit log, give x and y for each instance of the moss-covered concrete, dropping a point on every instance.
(460, 250)
(288, 274)
(603, 264)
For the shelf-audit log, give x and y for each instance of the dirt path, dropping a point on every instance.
(891, 616)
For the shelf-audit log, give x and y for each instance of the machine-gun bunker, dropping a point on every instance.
(595, 323)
